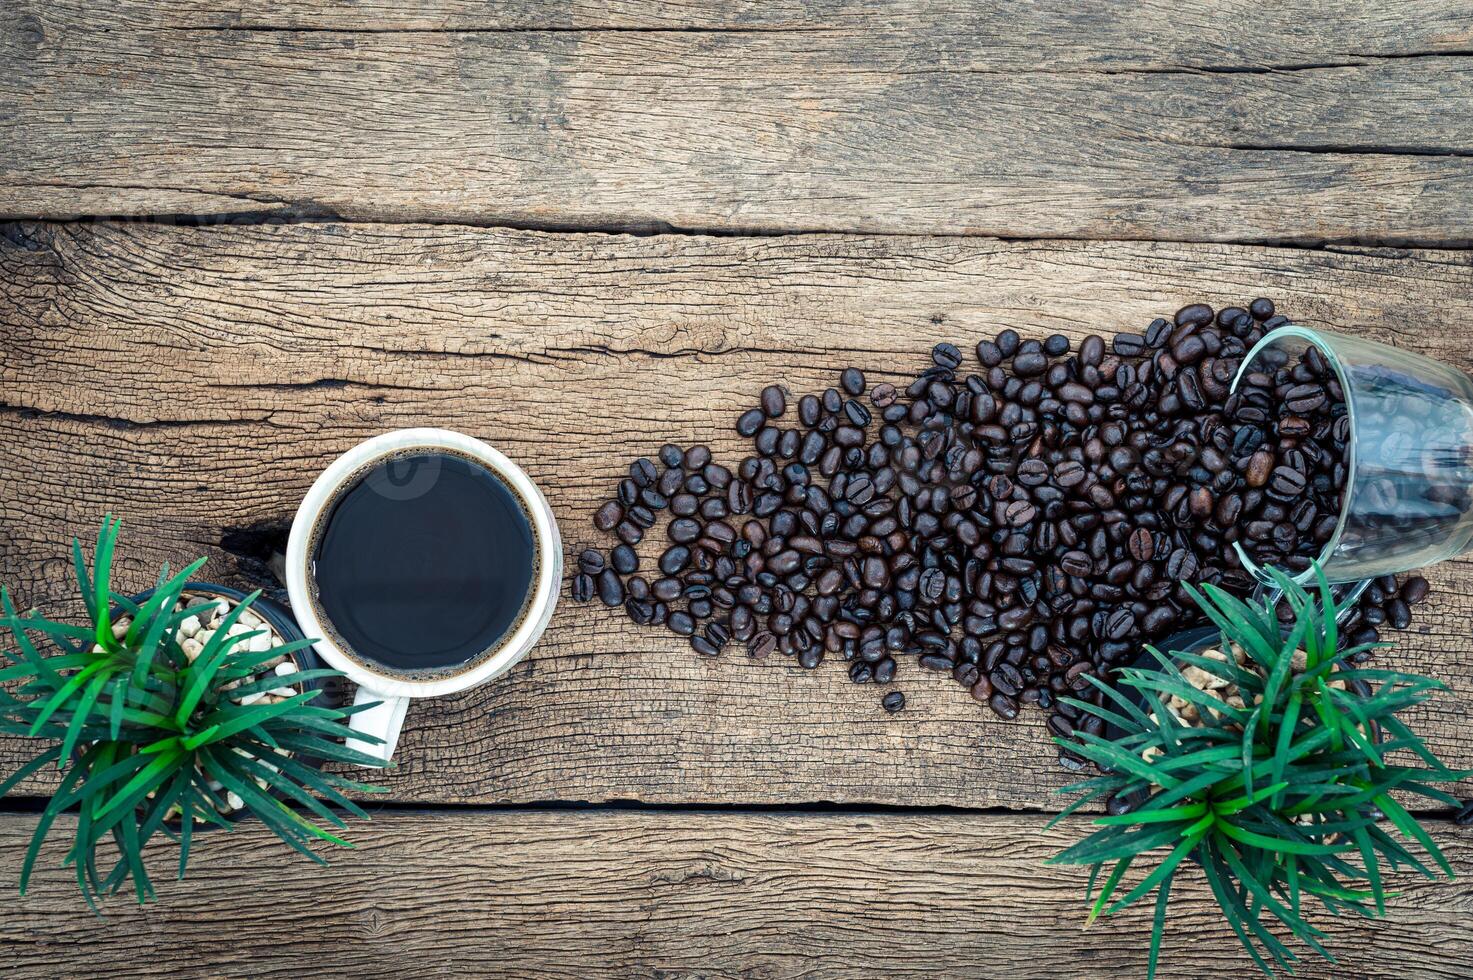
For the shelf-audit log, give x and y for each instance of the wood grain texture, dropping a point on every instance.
(1227, 33)
(1020, 120)
(197, 379)
(580, 894)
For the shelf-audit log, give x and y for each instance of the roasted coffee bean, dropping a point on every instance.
(1003, 706)
(1076, 563)
(1260, 466)
(1033, 472)
(852, 380)
(874, 573)
(1305, 398)
(1228, 510)
(1119, 624)
(738, 497)
(946, 356)
(1287, 481)
(1398, 614)
(609, 515)
(1197, 314)
(1069, 473)
(742, 624)
(1414, 590)
(774, 402)
(750, 421)
(1030, 364)
(1142, 544)
(1019, 513)
(684, 530)
(1128, 344)
(591, 561)
(624, 559)
(582, 588)
(1182, 565)
(610, 588)
(674, 559)
(642, 471)
(640, 613)
(893, 701)
(1007, 679)
(1201, 503)
(810, 409)
(1188, 350)
(761, 645)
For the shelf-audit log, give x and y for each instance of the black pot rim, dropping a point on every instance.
(1182, 640)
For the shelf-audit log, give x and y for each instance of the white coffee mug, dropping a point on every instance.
(394, 692)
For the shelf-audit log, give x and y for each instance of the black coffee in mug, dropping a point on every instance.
(423, 563)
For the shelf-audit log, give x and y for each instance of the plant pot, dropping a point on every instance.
(274, 613)
(286, 628)
(1193, 640)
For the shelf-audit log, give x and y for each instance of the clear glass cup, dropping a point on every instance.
(1407, 500)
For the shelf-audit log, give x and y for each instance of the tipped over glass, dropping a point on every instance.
(1406, 499)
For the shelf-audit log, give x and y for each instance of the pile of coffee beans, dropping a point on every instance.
(1293, 429)
(1020, 523)
(1384, 603)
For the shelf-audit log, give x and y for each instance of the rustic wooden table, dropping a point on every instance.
(242, 240)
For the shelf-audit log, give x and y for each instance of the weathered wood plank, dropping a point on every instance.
(1155, 33)
(578, 894)
(197, 379)
(1093, 124)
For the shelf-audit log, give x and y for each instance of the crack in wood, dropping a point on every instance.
(12, 225)
(1353, 148)
(512, 29)
(117, 422)
(259, 551)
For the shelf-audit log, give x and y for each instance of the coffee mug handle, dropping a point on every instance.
(382, 720)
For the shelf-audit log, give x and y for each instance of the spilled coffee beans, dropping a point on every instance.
(1022, 526)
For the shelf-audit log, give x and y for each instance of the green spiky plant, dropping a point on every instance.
(142, 734)
(1279, 802)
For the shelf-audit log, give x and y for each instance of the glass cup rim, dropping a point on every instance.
(1321, 341)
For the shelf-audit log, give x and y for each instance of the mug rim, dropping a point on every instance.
(324, 489)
